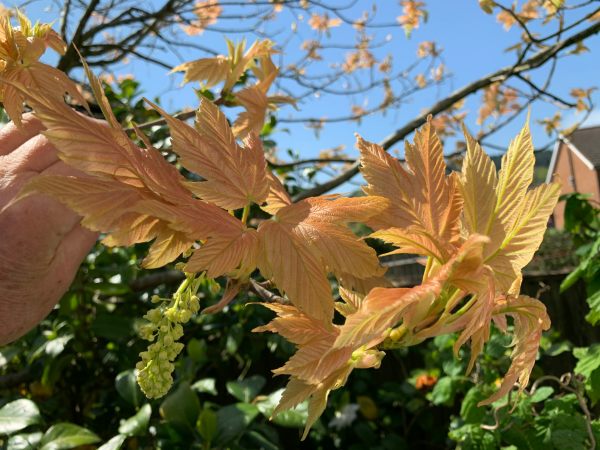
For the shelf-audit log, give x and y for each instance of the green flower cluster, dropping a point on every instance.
(164, 330)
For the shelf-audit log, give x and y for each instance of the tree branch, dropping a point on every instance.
(70, 58)
(534, 62)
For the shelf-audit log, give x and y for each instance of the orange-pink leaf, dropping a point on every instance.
(296, 272)
(530, 320)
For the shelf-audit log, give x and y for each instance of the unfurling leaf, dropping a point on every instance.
(234, 176)
(228, 69)
(20, 50)
(530, 319)
(477, 231)
(425, 204)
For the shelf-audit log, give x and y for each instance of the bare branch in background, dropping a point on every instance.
(501, 75)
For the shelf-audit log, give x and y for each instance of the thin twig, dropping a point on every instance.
(501, 75)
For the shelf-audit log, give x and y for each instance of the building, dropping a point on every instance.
(576, 161)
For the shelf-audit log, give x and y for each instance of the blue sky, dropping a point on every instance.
(473, 45)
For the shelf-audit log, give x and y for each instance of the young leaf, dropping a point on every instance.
(478, 186)
(235, 176)
(319, 223)
(20, 49)
(229, 68)
(384, 308)
(525, 236)
(222, 254)
(530, 319)
(424, 202)
(295, 271)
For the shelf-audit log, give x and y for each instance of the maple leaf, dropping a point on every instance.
(506, 19)
(309, 239)
(478, 186)
(425, 203)
(497, 101)
(530, 320)
(517, 220)
(524, 237)
(234, 176)
(256, 102)
(475, 323)
(325, 358)
(351, 301)
(428, 48)
(295, 271)
(383, 308)
(487, 6)
(227, 69)
(20, 49)
(327, 353)
(312, 337)
(581, 95)
(129, 180)
(227, 255)
(277, 197)
(255, 99)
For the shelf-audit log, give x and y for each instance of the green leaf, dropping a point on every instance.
(232, 420)
(261, 441)
(557, 348)
(573, 277)
(138, 424)
(64, 436)
(207, 425)
(292, 418)
(234, 339)
(593, 301)
(588, 359)
(541, 394)
(15, 416)
(246, 390)
(182, 407)
(197, 350)
(112, 326)
(27, 441)
(592, 386)
(115, 443)
(568, 431)
(206, 385)
(444, 391)
(127, 387)
(52, 347)
(473, 437)
(469, 411)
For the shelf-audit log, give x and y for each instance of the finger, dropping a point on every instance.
(37, 224)
(12, 136)
(22, 308)
(35, 155)
(12, 181)
(74, 247)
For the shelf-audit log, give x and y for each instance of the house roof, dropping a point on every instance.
(587, 141)
(584, 142)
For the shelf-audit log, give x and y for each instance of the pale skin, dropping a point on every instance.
(42, 243)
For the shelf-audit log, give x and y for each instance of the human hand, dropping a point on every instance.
(41, 241)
